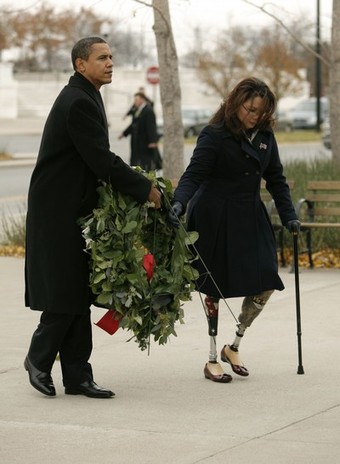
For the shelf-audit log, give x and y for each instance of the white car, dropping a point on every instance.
(326, 134)
(303, 115)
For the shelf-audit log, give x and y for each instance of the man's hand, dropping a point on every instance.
(155, 197)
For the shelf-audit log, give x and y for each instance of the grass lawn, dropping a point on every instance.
(298, 136)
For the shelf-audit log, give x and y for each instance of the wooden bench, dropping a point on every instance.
(319, 209)
(275, 218)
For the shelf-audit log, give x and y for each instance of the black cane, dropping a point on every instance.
(297, 297)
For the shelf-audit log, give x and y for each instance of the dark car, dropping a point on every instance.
(194, 119)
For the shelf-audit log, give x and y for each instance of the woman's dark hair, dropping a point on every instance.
(247, 89)
(82, 48)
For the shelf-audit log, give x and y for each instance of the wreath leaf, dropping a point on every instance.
(119, 234)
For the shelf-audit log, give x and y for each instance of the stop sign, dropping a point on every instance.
(152, 75)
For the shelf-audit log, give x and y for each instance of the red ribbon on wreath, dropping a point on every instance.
(110, 321)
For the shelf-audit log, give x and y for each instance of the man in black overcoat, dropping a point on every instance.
(74, 156)
(143, 133)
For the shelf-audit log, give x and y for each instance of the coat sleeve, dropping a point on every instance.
(199, 169)
(128, 130)
(90, 139)
(277, 186)
(151, 127)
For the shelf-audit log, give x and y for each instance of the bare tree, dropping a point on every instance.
(334, 64)
(240, 51)
(170, 89)
(222, 67)
(334, 96)
(44, 36)
(289, 30)
(277, 65)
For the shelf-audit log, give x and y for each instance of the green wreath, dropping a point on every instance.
(119, 234)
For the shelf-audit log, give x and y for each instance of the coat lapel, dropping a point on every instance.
(78, 80)
(258, 149)
(99, 100)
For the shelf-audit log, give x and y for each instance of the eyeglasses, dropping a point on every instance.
(252, 111)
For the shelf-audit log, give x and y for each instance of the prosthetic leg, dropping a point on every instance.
(251, 308)
(213, 370)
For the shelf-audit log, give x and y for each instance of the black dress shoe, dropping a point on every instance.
(42, 381)
(91, 389)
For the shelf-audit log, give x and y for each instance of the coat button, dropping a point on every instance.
(247, 156)
(246, 173)
(257, 172)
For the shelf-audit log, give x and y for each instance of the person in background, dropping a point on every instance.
(133, 107)
(236, 244)
(74, 156)
(143, 133)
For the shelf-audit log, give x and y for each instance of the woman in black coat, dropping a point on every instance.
(236, 245)
(74, 156)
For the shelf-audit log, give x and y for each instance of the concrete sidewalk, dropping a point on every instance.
(165, 411)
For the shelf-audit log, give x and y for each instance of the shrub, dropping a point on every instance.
(13, 228)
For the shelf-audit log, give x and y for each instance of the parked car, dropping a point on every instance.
(303, 115)
(282, 122)
(194, 119)
(326, 134)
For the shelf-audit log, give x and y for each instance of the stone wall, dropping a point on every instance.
(36, 93)
(8, 92)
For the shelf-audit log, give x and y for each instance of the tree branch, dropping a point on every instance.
(295, 37)
(159, 11)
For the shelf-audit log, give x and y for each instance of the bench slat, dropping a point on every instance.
(330, 197)
(323, 185)
(320, 224)
(327, 211)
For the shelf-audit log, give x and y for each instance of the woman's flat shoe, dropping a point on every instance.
(213, 371)
(231, 357)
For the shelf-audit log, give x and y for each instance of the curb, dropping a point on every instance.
(17, 163)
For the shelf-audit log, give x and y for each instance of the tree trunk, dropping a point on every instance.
(334, 97)
(170, 91)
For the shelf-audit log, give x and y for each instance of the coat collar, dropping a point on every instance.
(78, 80)
(260, 146)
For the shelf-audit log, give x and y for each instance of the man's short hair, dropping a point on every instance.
(82, 49)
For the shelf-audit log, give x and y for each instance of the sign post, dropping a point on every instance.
(152, 76)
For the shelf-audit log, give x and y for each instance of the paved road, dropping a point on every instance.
(21, 138)
(303, 151)
(27, 145)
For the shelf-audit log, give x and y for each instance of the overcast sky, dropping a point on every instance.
(187, 14)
